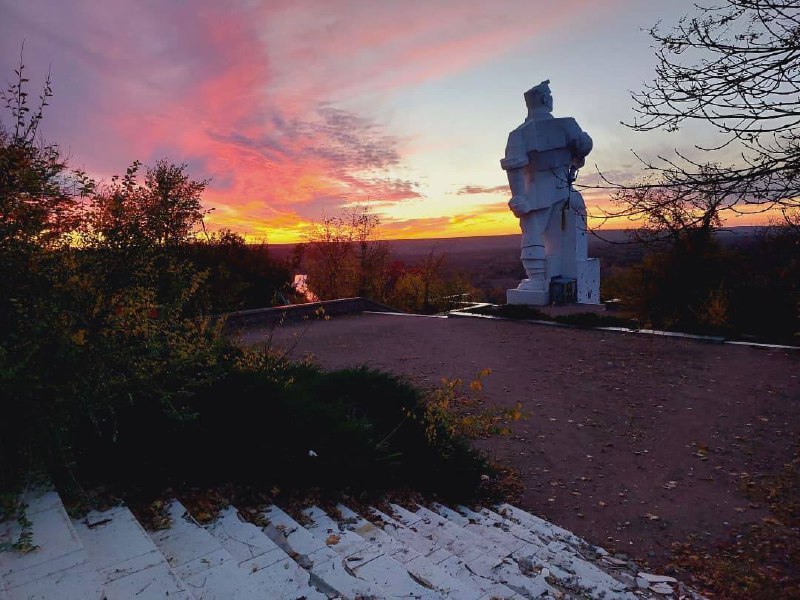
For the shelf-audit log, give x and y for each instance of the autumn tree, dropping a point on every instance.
(426, 288)
(96, 316)
(38, 193)
(345, 257)
(370, 252)
(172, 206)
(329, 258)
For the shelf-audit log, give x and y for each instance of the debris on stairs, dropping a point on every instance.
(413, 552)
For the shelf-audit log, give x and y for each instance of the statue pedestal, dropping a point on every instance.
(587, 274)
(528, 297)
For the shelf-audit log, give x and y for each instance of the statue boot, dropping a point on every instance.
(534, 259)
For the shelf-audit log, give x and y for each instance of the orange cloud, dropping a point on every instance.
(252, 95)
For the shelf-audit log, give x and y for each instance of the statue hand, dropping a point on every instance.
(518, 206)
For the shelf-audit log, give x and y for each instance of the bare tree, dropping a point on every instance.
(677, 214)
(329, 246)
(363, 224)
(344, 255)
(735, 67)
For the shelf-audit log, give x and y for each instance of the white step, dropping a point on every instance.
(422, 554)
(454, 566)
(482, 555)
(369, 561)
(473, 523)
(564, 559)
(125, 559)
(330, 571)
(455, 539)
(266, 565)
(546, 531)
(323, 527)
(209, 571)
(57, 567)
(418, 565)
(497, 522)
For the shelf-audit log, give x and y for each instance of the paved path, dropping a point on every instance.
(624, 428)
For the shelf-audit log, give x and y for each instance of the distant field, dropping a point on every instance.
(409, 250)
(491, 263)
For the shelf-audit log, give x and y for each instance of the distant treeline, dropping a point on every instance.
(743, 282)
(743, 286)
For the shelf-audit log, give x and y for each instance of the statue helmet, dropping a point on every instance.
(535, 95)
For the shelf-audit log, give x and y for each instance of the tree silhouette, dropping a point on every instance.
(735, 67)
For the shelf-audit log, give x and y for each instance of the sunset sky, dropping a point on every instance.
(295, 108)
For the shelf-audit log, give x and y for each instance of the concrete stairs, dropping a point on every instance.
(425, 553)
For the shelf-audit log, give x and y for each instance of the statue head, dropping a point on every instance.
(538, 99)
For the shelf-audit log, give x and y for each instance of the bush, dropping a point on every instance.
(240, 276)
(292, 427)
(111, 372)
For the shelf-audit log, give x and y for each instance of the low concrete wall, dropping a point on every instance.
(298, 312)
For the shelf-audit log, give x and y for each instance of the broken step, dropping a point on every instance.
(266, 565)
(329, 571)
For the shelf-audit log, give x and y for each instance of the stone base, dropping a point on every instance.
(528, 297)
(573, 309)
(588, 278)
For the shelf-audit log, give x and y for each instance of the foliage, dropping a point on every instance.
(112, 373)
(425, 289)
(344, 256)
(239, 276)
(94, 300)
(457, 414)
(356, 430)
(678, 285)
(24, 541)
(707, 284)
(171, 204)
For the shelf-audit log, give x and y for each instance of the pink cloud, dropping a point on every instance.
(247, 92)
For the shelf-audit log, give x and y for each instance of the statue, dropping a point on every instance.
(542, 159)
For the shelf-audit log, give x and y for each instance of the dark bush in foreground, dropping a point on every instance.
(296, 428)
(112, 374)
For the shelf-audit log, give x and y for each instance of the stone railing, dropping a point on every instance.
(297, 312)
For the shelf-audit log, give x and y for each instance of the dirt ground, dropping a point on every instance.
(633, 441)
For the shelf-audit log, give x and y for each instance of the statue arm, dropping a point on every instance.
(579, 143)
(514, 164)
(583, 146)
(516, 156)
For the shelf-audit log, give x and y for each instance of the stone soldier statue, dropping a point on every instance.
(542, 158)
